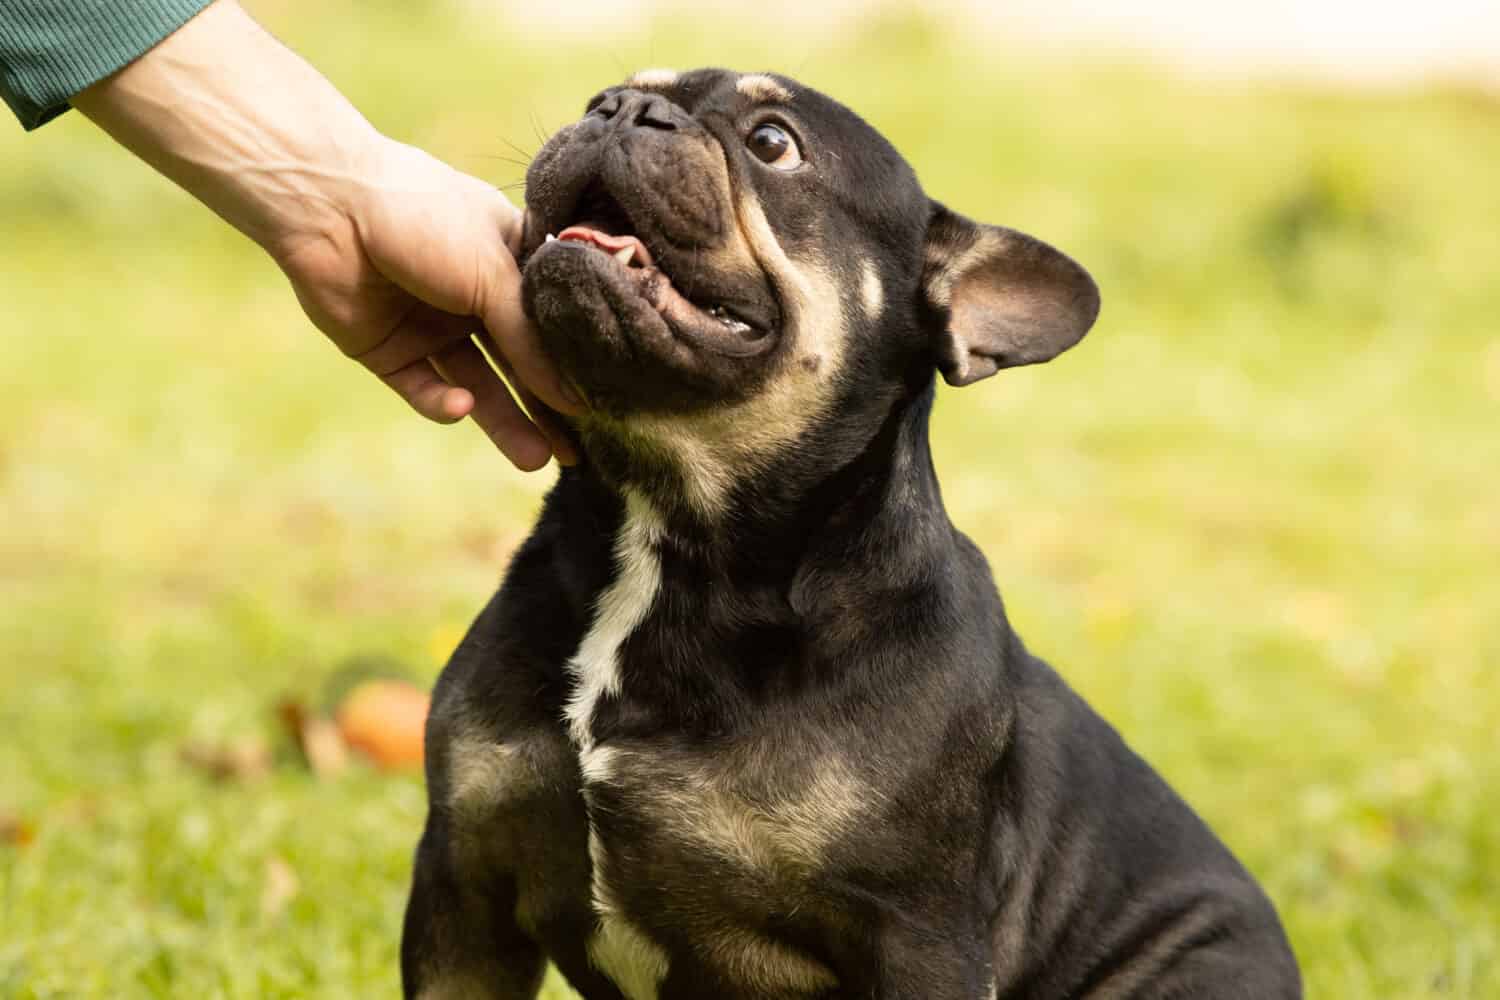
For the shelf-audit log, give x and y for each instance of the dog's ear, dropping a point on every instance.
(1001, 297)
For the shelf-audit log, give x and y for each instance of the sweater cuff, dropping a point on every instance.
(52, 49)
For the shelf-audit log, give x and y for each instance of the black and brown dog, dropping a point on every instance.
(746, 718)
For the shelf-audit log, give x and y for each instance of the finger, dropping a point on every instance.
(543, 416)
(512, 225)
(513, 337)
(494, 410)
(423, 331)
(429, 393)
(546, 421)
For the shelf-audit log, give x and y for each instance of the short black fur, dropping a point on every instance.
(826, 766)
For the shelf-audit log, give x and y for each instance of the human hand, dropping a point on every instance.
(394, 255)
(397, 278)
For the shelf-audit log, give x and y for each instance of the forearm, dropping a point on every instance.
(398, 258)
(241, 122)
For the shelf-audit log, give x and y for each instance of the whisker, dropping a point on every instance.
(502, 158)
(524, 154)
(536, 126)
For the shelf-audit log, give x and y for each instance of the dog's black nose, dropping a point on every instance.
(627, 108)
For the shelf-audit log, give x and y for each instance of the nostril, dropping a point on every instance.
(634, 109)
(655, 113)
(607, 108)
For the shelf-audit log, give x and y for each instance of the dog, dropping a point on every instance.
(746, 718)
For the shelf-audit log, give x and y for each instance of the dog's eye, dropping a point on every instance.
(771, 145)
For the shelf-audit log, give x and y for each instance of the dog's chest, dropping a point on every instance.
(695, 850)
(695, 859)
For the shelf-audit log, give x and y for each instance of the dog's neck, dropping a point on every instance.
(820, 567)
(841, 499)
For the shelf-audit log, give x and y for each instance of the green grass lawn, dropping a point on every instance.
(1254, 519)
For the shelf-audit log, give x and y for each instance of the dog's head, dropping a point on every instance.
(722, 263)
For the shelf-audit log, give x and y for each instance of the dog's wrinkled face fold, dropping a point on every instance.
(747, 717)
(716, 258)
(717, 201)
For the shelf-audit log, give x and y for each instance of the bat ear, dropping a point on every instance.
(1003, 298)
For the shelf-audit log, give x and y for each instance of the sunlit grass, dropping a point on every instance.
(1255, 518)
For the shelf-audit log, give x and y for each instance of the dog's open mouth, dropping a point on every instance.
(602, 224)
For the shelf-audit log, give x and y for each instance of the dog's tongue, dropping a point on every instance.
(607, 241)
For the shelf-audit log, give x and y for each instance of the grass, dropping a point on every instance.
(1253, 519)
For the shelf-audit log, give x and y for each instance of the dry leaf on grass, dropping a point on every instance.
(315, 736)
(244, 760)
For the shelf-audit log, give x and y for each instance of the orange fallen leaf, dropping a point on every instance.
(384, 719)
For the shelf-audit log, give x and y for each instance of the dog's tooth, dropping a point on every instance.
(550, 238)
(624, 254)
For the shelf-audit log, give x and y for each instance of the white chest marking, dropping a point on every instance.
(617, 948)
(622, 606)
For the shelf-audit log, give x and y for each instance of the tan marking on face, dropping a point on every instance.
(764, 89)
(871, 290)
(656, 78)
(716, 448)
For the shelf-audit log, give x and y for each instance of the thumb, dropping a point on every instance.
(518, 343)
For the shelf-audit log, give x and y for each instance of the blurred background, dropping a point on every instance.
(1254, 518)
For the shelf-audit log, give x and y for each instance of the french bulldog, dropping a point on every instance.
(746, 718)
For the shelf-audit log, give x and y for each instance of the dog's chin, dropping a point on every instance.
(629, 339)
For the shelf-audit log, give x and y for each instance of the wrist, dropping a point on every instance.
(242, 123)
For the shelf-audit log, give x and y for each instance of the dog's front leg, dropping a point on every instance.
(460, 939)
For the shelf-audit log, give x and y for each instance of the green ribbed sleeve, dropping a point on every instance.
(52, 49)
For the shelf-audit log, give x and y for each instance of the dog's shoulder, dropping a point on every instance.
(497, 708)
(1086, 819)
